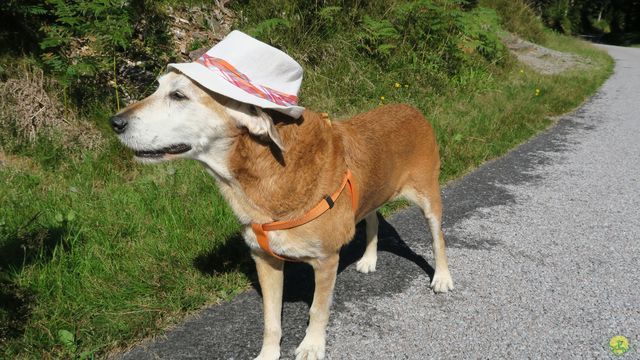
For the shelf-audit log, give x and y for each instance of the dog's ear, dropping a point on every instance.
(255, 120)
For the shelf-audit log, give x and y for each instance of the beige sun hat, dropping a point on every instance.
(250, 71)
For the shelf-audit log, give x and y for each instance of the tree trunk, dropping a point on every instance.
(600, 14)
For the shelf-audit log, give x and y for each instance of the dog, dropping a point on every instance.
(269, 166)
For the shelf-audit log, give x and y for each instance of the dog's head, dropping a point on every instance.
(184, 120)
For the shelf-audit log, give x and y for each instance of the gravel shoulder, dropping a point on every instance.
(543, 246)
(542, 59)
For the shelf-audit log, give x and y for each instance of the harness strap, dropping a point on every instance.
(327, 203)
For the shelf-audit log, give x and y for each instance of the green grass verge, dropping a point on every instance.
(97, 252)
(473, 129)
(108, 254)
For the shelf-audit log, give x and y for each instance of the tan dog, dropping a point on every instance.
(271, 167)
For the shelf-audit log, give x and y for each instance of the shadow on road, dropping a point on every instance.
(298, 278)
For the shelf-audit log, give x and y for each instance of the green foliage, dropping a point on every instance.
(446, 34)
(516, 16)
(328, 15)
(481, 33)
(80, 40)
(97, 252)
(436, 38)
(197, 44)
(267, 28)
(105, 25)
(377, 37)
(67, 339)
(616, 19)
(602, 26)
(557, 16)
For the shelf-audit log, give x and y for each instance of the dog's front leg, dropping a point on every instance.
(271, 277)
(313, 344)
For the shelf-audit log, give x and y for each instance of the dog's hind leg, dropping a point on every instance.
(313, 345)
(432, 209)
(429, 200)
(367, 263)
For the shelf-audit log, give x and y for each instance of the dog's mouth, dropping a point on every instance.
(168, 150)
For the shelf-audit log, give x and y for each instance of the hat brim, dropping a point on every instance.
(205, 77)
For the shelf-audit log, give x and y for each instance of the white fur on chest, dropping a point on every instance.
(281, 242)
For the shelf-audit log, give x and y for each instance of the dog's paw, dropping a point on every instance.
(367, 264)
(442, 282)
(310, 349)
(269, 353)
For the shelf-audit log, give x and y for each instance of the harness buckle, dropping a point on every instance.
(329, 201)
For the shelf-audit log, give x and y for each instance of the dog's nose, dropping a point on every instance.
(119, 124)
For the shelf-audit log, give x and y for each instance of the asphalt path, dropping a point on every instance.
(543, 249)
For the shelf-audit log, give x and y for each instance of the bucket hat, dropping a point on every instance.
(250, 71)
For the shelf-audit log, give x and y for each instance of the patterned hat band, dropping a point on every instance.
(241, 81)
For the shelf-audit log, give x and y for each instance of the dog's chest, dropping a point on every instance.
(285, 243)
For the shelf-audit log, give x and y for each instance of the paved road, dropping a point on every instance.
(543, 247)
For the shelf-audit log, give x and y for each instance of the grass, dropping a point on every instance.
(97, 252)
(473, 129)
(518, 17)
(108, 252)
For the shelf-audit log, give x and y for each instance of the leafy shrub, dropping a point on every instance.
(518, 17)
(377, 37)
(556, 16)
(90, 31)
(440, 37)
(445, 28)
(267, 28)
(88, 43)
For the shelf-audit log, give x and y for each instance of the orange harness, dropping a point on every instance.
(327, 203)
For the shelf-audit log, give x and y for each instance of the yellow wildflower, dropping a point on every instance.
(382, 98)
(397, 85)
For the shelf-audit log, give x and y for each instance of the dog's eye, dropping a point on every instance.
(177, 95)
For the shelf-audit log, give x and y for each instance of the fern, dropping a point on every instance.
(79, 39)
(265, 29)
(378, 36)
(480, 33)
(328, 13)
